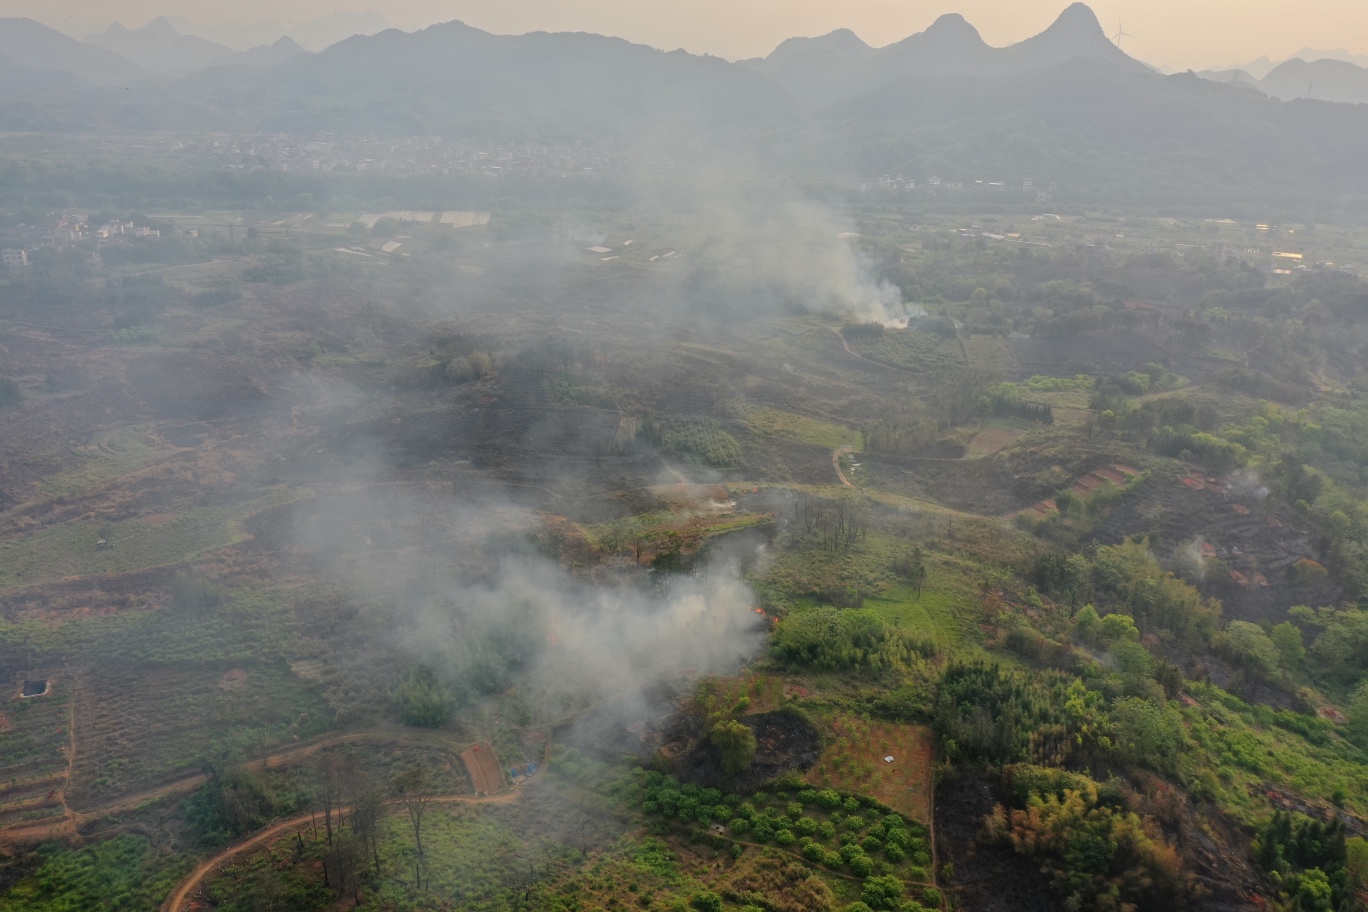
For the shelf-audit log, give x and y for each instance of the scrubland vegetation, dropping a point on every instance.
(1059, 587)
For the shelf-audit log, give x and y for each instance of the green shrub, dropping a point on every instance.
(882, 892)
(706, 901)
(829, 799)
(698, 437)
(423, 701)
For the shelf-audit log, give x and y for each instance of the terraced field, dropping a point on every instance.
(110, 455)
(73, 549)
(137, 727)
(34, 742)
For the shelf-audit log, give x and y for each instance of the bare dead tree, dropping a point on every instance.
(413, 787)
(328, 795)
(367, 809)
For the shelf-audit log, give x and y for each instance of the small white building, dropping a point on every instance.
(13, 258)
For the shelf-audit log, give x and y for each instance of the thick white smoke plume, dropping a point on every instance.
(457, 590)
(797, 246)
(569, 641)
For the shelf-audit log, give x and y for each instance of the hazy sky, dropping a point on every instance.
(1166, 32)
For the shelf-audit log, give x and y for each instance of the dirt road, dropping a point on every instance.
(176, 900)
(836, 455)
(70, 821)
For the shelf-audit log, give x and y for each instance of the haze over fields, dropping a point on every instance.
(874, 460)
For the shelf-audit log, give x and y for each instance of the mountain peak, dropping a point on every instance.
(1080, 13)
(836, 47)
(115, 28)
(841, 38)
(160, 29)
(1075, 33)
(953, 25)
(1078, 23)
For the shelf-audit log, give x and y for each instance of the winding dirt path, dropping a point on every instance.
(69, 823)
(175, 901)
(836, 455)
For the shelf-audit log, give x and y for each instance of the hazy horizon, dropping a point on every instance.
(1166, 33)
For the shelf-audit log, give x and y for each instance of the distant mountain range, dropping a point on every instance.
(159, 48)
(1066, 107)
(840, 65)
(314, 35)
(1321, 80)
(1260, 68)
(34, 56)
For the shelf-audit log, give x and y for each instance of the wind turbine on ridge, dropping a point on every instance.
(1120, 33)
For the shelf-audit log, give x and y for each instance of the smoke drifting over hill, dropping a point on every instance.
(462, 592)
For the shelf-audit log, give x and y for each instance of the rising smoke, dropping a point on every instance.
(459, 590)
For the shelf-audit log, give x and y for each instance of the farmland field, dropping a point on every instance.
(856, 761)
(136, 728)
(328, 540)
(769, 422)
(73, 549)
(994, 438)
(988, 353)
